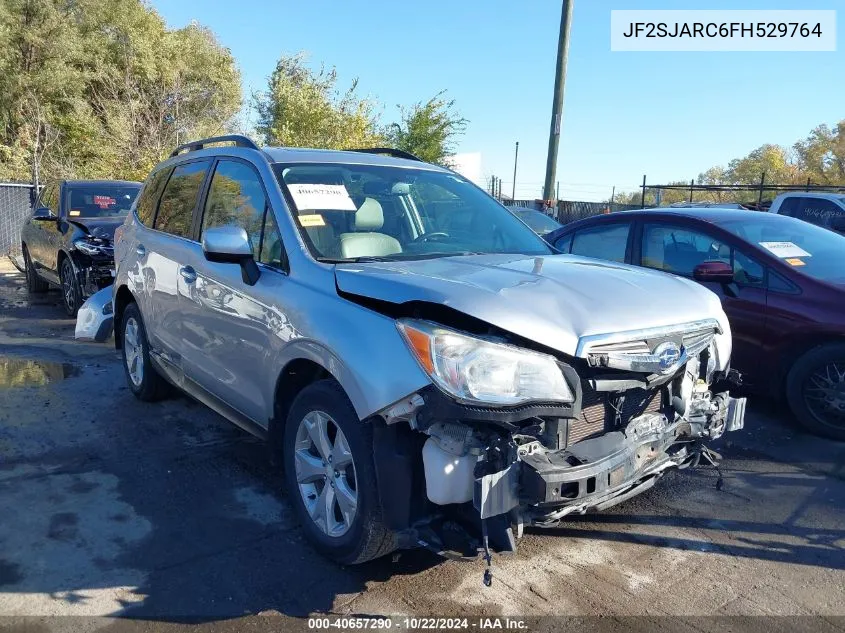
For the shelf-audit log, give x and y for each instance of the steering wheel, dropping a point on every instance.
(425, 237)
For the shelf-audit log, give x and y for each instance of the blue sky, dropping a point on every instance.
(667, 115)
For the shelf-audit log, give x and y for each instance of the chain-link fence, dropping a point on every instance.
(15, 206)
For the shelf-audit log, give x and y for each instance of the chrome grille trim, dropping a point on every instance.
(694, 329)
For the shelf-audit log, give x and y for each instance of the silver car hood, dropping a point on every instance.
(554, 300)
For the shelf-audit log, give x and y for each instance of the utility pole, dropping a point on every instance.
(557, 102)
(515, 159)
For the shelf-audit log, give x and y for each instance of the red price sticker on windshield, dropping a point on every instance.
(104, 202)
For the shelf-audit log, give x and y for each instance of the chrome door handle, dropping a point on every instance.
(140, 250)
(188, 274)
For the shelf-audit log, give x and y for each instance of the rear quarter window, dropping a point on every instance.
(149, 197)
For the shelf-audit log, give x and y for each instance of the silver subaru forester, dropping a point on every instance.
(428, 371)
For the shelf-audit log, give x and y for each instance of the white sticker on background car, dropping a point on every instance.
(321, 197)
(785, 249)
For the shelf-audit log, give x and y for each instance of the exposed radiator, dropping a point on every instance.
(597, 415)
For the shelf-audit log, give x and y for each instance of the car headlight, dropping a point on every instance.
(87, 247)
(483, 372)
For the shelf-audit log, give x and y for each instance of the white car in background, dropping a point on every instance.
(823, 209)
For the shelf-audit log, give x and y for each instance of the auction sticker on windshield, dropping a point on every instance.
(785, 250)
(311, 219)
(321, 197)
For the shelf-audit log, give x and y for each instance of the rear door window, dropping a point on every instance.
(175, 211)
(602, 242)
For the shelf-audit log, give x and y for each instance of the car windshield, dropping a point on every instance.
(100, 200)
(539, 222)
(349, 212)
(810, 249)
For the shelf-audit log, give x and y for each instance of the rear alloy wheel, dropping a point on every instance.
(34, 283)
(816, 390)
(330, 476)
(144, 381)
(71, 294)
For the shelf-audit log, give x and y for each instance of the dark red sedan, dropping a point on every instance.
(782, 285)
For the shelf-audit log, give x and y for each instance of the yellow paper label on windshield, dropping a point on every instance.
(312, 219)
(75, 212)
(794, 261)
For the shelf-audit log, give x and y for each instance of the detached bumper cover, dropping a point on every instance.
(95, 319)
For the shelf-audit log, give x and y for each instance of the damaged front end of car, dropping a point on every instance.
(516, 437)
(93, 258)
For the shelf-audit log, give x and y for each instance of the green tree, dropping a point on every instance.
(428, 130)
(822, 154)
(104, 89)
(304, 108)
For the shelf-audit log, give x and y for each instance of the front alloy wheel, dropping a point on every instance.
(815, 388)
(325, 473)
(71, 294)
(330, 475)
(824, 393)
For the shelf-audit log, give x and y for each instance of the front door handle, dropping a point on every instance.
(188, 274)
(140, 250)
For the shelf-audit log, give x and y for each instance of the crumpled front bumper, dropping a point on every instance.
(597, 473)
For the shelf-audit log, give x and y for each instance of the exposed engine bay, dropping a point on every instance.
(93, 258)
(489, 473)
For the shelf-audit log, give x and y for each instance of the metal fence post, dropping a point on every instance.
(642, 199)
(691, 185)
(762, 182)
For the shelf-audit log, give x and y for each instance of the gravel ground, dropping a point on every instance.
(165, 513)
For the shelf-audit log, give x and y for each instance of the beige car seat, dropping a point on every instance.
(366, 241)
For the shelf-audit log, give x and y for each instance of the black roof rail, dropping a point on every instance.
(238, 139)
(389, 151)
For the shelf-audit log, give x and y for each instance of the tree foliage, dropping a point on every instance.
(819, 158)
(104, 89)
(428, 130)
(303, 108)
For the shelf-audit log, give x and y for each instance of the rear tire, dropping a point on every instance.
(34, 283)
(344, 536)
(815, 389)
(144, 381)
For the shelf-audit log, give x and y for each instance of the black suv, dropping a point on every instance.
(68, 239)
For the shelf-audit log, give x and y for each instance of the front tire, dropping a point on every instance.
(144, 381)
(34, 283)
(815, 389)
(71, 293)
(330, 476)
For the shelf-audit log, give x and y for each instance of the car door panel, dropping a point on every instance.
(227, 326)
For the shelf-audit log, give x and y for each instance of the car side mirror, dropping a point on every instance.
(714, 271)
(230, 245)
(43, 214)
(837, 223)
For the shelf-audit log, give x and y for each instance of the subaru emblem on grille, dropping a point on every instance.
(668, 354)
